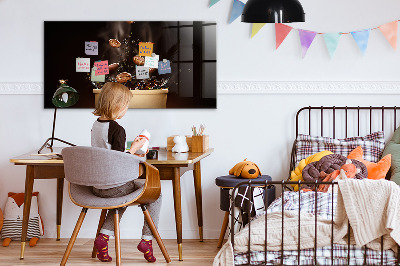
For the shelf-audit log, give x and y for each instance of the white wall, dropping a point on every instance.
(259, 127)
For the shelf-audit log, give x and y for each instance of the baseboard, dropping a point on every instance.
(260, 87)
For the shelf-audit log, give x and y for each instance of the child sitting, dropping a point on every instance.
(107, 133)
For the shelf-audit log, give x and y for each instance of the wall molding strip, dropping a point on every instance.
(260, 87)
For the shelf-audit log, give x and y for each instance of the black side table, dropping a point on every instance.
(226, 183)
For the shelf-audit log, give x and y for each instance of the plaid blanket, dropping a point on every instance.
(323, 205)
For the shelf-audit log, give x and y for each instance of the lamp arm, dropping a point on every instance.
(54, 126)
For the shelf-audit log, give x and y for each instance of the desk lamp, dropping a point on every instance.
(64, 96)
(273, 11)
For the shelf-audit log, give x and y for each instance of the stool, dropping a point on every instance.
(226, 183)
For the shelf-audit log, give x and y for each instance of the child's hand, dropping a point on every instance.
(137, 144)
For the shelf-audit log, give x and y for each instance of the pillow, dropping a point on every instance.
(372, 144)
(296, 174)
(375, 170)
(393, 148)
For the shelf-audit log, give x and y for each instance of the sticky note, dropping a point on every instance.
(92, 48)
(142, 72)
(102, 67)
(164, 67)
(155, 56)
(94, 78)
(145, 48)
(83, 65)
(151, 62)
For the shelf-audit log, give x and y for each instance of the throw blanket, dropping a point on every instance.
(373, 209)
(371, 206)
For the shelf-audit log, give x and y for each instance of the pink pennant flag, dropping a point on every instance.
(306, 39)
(389, 30)
(281, 31)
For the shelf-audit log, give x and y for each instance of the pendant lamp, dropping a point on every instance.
(273, 11)
(64, 96)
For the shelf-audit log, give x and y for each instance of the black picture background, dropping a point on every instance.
(64, 41)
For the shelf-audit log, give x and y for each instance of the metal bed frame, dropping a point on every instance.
(283, 184)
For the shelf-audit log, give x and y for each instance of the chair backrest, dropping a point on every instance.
(92, 166)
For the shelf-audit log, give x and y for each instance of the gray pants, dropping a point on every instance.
(154, 208)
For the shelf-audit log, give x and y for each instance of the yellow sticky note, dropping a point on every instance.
(145, 48)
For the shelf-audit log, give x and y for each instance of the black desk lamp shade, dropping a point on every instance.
(64, 96)
(273, 11)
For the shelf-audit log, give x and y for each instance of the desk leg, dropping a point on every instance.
(27, 206)
(176, 182)
(199, 204)
(60, 190)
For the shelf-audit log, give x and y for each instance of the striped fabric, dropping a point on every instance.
(372, 145)
(13, 228)
(322, 207)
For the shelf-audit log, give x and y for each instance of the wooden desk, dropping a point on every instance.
(171, 167)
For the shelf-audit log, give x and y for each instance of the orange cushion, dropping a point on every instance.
(375, 170)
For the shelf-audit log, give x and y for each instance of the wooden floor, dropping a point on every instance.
(50, 252)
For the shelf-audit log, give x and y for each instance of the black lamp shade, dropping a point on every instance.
(65, 96)
(273, 11)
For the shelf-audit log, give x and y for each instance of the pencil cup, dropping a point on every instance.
(200, 143)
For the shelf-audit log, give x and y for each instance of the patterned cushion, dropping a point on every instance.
(372, 144)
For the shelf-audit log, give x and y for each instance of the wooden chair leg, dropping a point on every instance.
(101, 222)
(117, 239)
(73, 237)
(223, 229)
(154, 230)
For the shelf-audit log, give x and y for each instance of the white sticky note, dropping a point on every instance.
(92, 48)
(98, 78)
(142, 72)
(151, 62)
(83, 65)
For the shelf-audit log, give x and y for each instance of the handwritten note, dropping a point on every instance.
(83, 65)
(102, 67)
(164, 67)
(94, 78)
(151, 62)
(91, 48)
(145, 48)
(142, 72)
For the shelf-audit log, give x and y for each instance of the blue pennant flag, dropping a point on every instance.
(237, 9)
(332, 41)
(361, 38)
(213, 2)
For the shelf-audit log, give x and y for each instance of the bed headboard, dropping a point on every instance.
(344, 121)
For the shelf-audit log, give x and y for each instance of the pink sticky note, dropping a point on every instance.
(102, 67)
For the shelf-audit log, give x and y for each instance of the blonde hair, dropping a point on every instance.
(112, 99)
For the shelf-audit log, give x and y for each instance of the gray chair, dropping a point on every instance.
(85, 167)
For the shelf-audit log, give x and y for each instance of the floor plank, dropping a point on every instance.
(49, 252)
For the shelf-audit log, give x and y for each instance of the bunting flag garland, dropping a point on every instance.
(281, 31)
(389, 30)
(332, 41)
(306, 39)
(213, 2)
(361, 37)
(256, 27)
(237, 9)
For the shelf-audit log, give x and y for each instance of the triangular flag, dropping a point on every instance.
(361, 37)
(237, 9)
(390, 32)
(281, 31)
(213, 2)
(255, 28)
(332, 41)
(306, 39)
